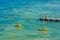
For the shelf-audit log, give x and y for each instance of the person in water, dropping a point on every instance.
(46, 18)
(56, 19)
(42, 18)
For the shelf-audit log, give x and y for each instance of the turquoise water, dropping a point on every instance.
(27, 13)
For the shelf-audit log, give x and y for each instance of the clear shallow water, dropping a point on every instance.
(27, 13)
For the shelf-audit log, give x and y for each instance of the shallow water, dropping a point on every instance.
(27, 13)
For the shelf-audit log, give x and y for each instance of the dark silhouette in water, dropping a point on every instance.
(45, 18)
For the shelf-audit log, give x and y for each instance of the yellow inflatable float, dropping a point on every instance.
(17, 25)
(43, 29)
